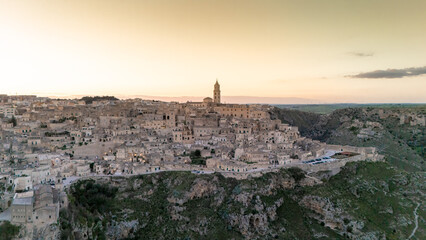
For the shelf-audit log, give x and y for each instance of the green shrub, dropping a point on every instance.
(296, 173)
(8, 231)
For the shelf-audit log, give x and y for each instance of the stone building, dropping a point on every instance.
(46, 205)
(21, 210)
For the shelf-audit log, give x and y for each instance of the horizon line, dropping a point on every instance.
(184, 99)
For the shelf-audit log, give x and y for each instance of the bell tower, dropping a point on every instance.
(216, 92)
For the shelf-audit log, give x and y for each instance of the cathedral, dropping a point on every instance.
(208, 101)
(216, 92)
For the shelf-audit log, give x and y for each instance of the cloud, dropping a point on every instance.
(392, 73)
(362, 54)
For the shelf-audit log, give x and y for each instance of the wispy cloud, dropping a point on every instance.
(392, 73)
(361, 54)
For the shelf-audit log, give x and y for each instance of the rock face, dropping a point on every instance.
(181, 205)
(121, 229)
(325, 210)
(201, 188)
(252, 225)
(208, 205)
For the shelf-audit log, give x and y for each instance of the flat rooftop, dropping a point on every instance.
(23, 201)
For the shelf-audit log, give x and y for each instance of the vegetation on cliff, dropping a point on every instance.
(373, 198)
(8, 231)
(402, 144)
(365, 200)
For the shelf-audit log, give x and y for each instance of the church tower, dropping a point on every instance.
(216, 93)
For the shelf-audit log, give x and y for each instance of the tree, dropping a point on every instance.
(297, 173)
(196, 154)
(8, 230)
(13, 121)
(232, 153)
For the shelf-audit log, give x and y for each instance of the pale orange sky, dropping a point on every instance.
(301, 48)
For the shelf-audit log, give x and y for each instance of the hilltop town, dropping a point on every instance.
(113, 128)
(46, 144)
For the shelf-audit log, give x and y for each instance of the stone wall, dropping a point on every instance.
(360, 150)
(93, 149)
(309, 167)
(331, 165)
(246, 175)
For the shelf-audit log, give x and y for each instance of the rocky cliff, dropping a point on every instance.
(357, 203)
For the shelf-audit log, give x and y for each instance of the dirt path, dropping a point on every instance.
(416, 220)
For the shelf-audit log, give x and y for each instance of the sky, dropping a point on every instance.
(328, 51)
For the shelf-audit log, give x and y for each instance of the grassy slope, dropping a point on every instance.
(303, 120)
(377, 194)
(403, 145)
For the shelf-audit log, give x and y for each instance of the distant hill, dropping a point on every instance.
(328, 108)
(89, 100)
